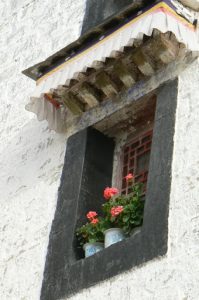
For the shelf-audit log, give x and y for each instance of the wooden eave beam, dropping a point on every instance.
(143, 64)
(163, 47)
(124, 74)
(73, 103)
(104, 82)
(113, 105)
(89, 94)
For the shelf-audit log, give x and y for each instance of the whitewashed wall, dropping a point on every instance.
(31, 160)
(31, 157)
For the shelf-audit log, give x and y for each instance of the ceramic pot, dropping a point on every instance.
(92, 248)
(112, 236)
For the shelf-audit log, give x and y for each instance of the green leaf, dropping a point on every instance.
(125, 218)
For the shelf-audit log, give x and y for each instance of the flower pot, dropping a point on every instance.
(112, 236)
(92, 248)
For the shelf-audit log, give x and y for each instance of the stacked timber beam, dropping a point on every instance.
(107, 79)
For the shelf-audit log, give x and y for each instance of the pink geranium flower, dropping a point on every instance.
(115, 211)
(91, 215)
(110, 192)
(129, 177)
(95, 221)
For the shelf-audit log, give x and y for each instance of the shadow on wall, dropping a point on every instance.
(99, 10)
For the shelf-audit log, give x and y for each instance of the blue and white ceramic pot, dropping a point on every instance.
(92, 248)
(112, 236)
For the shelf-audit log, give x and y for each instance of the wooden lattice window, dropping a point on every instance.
(136, 156)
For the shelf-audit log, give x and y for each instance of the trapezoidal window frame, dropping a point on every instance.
(63, 274)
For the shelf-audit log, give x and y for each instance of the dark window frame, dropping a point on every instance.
(63, 274)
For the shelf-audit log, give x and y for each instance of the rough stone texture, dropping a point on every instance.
(31, 157)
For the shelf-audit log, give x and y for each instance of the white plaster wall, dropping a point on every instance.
(31, 157)
(175, 276)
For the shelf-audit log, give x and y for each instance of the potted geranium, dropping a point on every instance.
(91, 235)
(123, 213)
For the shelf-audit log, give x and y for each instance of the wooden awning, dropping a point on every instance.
(119, 58)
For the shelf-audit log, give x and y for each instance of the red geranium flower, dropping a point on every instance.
(95, 221)
(129, 177)
(91, 215)
(115, 211)
(110, 192)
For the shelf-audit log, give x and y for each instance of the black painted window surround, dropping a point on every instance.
(87, 169)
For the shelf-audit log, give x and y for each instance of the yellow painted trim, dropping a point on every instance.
(159, 5)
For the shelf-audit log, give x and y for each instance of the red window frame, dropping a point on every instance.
(135, 151)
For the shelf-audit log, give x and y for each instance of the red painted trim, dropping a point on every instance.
(50, 99)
